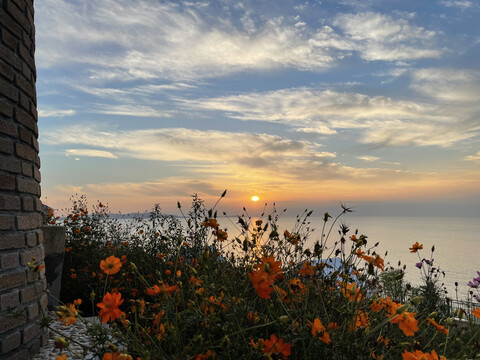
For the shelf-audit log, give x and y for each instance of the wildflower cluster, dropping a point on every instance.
(169, 291)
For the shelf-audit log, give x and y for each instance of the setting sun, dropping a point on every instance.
(255, 198)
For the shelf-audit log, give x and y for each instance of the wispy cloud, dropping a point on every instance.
(90, 153)
(475, 157)
(460, 4)
(381, 120)
(128, 40)
(43, 112)
(381, 37)
(368, 158)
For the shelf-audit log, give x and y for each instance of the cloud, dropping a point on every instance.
(475, 157)
(55, 112)
(124, 40)
(448, 84)
(368, 158)
(236, 155)
(90, 153)
(381, 37)
(460, 4)
(381, 120)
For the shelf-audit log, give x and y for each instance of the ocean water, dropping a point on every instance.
(456, 241)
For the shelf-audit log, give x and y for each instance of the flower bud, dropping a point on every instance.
(402, 309)
(283, 319)
(417, 300)
(449, 321)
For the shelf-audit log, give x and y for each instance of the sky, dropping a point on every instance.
(303, 103)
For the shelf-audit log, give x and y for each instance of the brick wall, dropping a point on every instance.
(20, 219)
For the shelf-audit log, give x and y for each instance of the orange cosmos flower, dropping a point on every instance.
(361, 320)
(110, 356)
(476, 312)
(307, 269)
(109, 307)
(262, 283)
(318, 331)
(208, 355)
(420, 355)
(221, 235)
(415, 247)
(163, 288)
(276, 346)
(210, 223)
(111, 265)
(350, 291)
(62, 357)
(439, 328)
(272, 267)
(406, 322)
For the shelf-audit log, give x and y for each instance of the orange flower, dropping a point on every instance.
(272, 267)
(361, 320)
(168, 272)
(415, 247)
(62, 357)
(163, 288)
(318, 331)
(476, 312)
(77, 231)
(439, 328)
(68, 249)
(307, 269)
(420, 355)
(110, 356)
(406, 322)
(111, 265)
(109, 306)
(351, 291)
(262, 283)
(292, 239)
(68, 314)
(208, 355)
(221, 235)
(276, 346)
(210, 223)
(124, 259)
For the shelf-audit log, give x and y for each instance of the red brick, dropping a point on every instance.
(7, 182)
(28, 255)
(6, 109)
(9, 202)
(7, 21)
(27, 203)
(25, 152)
(10, 342)
(29, 293)
(19, 17)
(27, 169)
(6, 71)
(10, 164)
(12, 279)
(27, 120)
(31, 331)
(10, 322)
(9, 300)
(9, 261)
(12, 241)
(7, 222)
(6, 146)
(32, 311)
(10, 40)
(20, 355)
(25, 85)
(29, 221)
(36, 175)
(31, 239)
(28, 186)
(8, 90)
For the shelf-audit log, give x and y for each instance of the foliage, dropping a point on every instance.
(173, 291)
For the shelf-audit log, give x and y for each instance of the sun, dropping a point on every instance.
(255, 198)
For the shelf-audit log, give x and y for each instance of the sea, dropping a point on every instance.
(456, 242)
